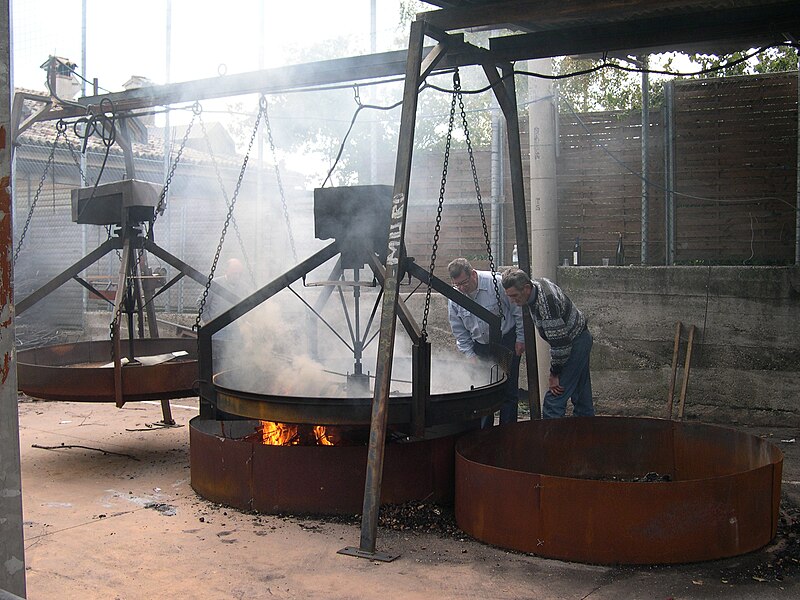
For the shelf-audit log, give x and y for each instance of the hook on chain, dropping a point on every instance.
(357, 94)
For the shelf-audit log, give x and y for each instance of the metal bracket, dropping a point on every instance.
(340, 283)
(353, 551)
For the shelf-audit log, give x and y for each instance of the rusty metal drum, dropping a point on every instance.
(231, 467)
(618, 490)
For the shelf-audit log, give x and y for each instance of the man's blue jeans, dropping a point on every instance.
(576, 381)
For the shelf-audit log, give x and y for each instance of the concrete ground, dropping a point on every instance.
(114, 517)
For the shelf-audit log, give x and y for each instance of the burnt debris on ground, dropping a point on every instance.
(777, 561)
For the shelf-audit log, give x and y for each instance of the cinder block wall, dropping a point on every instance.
(745, 365)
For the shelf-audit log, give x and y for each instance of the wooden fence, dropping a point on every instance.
(734, 175)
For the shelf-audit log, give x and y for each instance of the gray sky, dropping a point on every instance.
(126, 38)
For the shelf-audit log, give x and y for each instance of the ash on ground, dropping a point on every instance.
(414, 517)
(778, 560)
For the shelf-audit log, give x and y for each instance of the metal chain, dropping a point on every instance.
(76, 160)
(438, 225)
(160, 207)
(227, 202)
(457, 90)
(280, 182)
(61, 127)
(262, 104)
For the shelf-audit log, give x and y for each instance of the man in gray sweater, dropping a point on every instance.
(563, 326)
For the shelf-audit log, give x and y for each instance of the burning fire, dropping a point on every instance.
(287, 434)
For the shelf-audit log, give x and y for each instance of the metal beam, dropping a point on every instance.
(705, 31)
(63, 277)
(204, 335)
(188, 270)
(551, 14)
(267, 81)
(453, 294)
(403, 313)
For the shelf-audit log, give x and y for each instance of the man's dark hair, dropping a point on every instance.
(516, 278)
(459, 266)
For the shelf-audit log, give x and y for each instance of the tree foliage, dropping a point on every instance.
(771, 60)
(615, 89)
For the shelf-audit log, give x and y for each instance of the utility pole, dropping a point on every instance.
(12, 546)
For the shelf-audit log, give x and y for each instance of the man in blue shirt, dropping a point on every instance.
(472, 333)
(563, 326)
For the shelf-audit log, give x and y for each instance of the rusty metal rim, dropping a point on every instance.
(64, 372)
(517, 488)
(441, 409)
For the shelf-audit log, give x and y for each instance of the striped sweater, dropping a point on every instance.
(558, 320)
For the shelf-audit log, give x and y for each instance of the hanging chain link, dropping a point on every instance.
(227, 202)
(457, 89)
(262, 105)
(438, 226)
(197, 109)
(61, 128)
(76, 160)
(281, 191)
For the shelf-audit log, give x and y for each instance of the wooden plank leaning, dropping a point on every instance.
(675, 352)
(686, 364)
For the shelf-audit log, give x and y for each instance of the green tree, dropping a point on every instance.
(771, 60)
(617, 89)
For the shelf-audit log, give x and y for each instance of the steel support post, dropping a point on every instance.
(115, 337)
(391, 285)
(421, 385)
(145, 290)
(505, 91)
(12, 544)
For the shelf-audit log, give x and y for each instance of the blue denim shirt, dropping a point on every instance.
(469, 329)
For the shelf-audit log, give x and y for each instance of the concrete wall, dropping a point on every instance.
(745, 364)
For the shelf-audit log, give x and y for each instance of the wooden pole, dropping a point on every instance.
(686, 365)
(675, 350)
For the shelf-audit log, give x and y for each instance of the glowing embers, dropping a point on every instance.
(290, 434)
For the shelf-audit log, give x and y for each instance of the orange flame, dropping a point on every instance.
(287, 434)
(322, 435)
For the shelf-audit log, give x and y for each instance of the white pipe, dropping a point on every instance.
(496, 177)
(797, 201)
(645, 160)
(543, 114)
